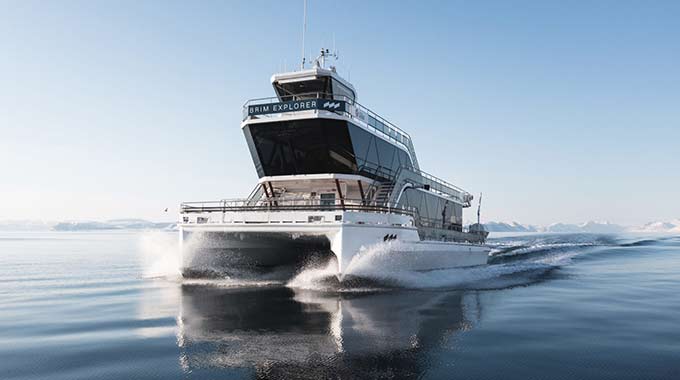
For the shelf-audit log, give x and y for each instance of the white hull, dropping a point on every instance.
(281, 243)
(431, 255)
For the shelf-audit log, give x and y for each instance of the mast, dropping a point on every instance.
(304, 30)
(479, 207)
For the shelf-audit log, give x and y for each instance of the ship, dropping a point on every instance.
(336, 180)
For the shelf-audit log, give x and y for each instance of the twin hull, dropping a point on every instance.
(266, 241)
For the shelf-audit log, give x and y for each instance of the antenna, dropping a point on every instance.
(335, 54)
(320, 61)
(479, 207)
(304, 30)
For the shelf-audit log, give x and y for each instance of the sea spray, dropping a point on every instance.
(161, 256)
(316, 277)
(379, 260)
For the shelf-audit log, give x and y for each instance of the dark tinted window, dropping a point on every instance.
(302, 147)
(386, 154)
(404, 159)
(309, 89)
(342, 92)
(321, 146)
(371, 158)
(361, 140)
(434, 211)
(373, 152)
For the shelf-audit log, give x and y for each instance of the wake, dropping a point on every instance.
(513, 261)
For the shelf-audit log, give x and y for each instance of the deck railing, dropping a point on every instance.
(439, 185)
(306, 204)
(292, 204)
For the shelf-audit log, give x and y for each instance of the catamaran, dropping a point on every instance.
(335, 179)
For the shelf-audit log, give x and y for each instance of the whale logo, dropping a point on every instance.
(333, 105)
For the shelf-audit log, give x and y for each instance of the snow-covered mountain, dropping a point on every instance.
(587, 227)
(591, 227)
(26, 225)
(115, 224)
(509, 227)
(672, 226)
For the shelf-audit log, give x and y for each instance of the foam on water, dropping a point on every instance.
(315, 276)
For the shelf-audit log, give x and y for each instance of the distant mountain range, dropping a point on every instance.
(667, 227)
(509, 227)
(114, 224)
(593, 227)
(25, 225)
(672, 226)
(588, 227)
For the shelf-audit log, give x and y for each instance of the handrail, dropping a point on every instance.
(236, 202)
(292, 204)
(446, 188)
(300, 96)
(441, 186)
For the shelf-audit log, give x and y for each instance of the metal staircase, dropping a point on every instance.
(382, 195)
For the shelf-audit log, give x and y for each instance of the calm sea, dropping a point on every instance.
(110, 306)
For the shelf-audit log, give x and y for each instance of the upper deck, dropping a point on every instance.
(317, 103)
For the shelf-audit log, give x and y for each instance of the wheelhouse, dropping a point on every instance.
(315, 83)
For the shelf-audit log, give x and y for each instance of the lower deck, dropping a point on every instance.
(270, 238)
(292, 219)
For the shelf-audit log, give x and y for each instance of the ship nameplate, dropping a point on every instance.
(298, 105)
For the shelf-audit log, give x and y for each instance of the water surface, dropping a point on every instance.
(108, 306)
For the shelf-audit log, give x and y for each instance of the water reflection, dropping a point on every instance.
(280, 333)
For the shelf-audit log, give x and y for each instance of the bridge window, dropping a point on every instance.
(342, 92)
(306, 89)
